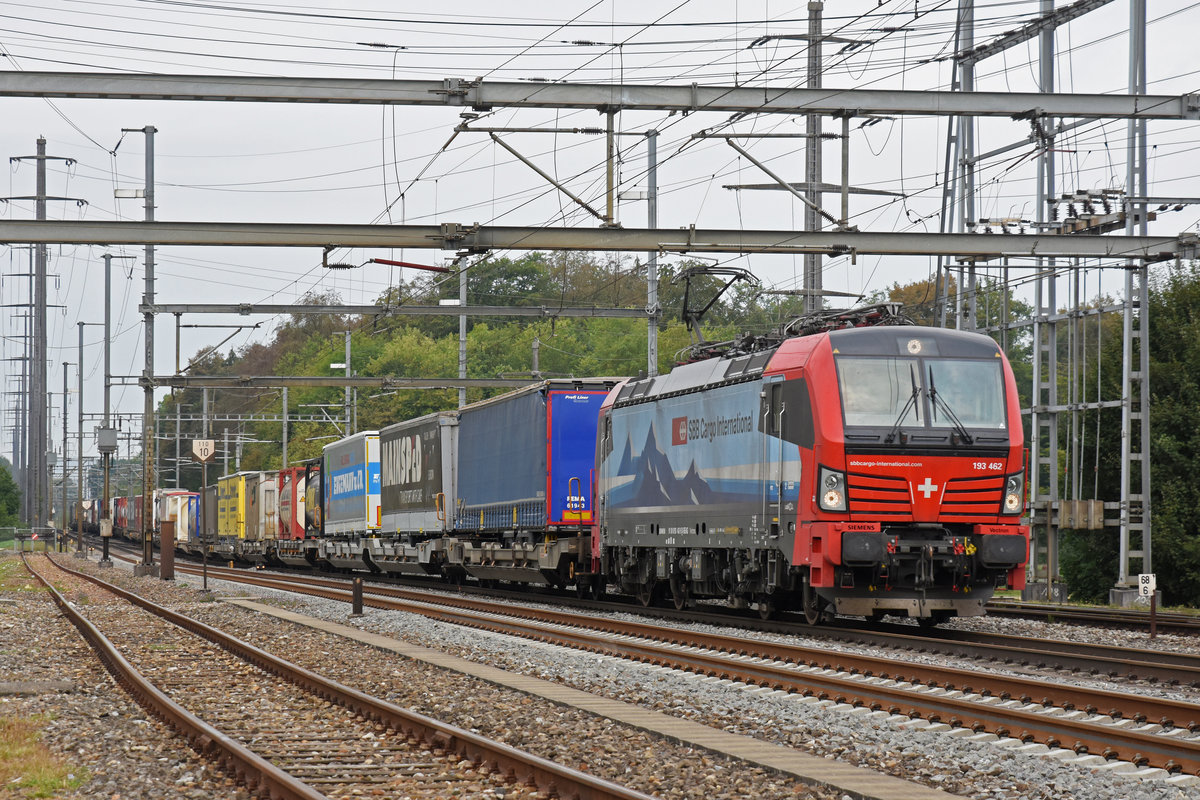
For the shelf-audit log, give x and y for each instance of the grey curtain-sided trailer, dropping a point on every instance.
(416, 464)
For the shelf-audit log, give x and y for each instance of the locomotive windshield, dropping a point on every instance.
(889, 392)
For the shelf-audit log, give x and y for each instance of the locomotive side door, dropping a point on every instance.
(773, 410)
(786, 420)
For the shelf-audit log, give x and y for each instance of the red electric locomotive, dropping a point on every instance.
(844, 466)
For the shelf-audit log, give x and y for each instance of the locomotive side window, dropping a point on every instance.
(875, 391)
(787, 412)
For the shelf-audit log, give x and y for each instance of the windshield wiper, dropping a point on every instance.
(936, 400)
(912, 403)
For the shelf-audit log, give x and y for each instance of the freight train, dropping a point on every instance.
(848, 464)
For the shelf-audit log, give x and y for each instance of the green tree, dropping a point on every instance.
(10, 497)
(1174, 338)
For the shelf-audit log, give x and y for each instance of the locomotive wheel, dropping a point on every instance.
(811, 603)
(645, 594)
(681, 592)
(816, 610)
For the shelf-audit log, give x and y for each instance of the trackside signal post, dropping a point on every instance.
(1148, 587)
(203, 451)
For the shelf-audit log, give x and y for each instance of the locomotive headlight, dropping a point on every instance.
(832, 488)
(1014, 494)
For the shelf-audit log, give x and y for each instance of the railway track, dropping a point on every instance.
(1140, 729)
(1152, 666)
(1021, 652)
(290, 733)
(1094, 615)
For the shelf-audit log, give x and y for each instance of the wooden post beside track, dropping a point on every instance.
(1153, 619)
(356, 605)
(166, 549)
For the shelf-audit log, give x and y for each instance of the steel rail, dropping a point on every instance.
(1188, 623)
(254, 770)
(1000, 717)
(1163, 666)
(555, 779)
(1115, 704)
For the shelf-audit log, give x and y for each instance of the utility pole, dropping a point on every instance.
(107, 435)
(349, 427)
(38, 483)
(78, 448)
(462, 330)
(813, 278)
(1135, 551)
(20, 393)
(284, 456)
(652, 307)
(966, 299)
(178, 463)
(64, 459)
(148, 443)
(40, 390)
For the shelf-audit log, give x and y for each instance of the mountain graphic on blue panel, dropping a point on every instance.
(626, 465)
(693, 488)
(655, 484)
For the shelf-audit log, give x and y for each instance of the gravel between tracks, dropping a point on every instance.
(100, 732)
(648, 763)
(972, 770)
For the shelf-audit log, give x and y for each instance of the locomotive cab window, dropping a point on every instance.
(971, 390)
(899, 392)
(878, 392)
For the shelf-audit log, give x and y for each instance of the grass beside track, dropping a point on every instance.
(27, 768)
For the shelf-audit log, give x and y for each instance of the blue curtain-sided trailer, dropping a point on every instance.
(524, 464)
(525, 458)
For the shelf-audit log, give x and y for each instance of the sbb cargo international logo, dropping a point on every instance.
(699, 429)
(679, 430)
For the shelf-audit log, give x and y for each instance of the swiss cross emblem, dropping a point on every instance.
(927, 488)
(679, 430)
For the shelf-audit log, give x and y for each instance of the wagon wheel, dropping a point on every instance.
(681, 592)
(645, 593)
(766, 607)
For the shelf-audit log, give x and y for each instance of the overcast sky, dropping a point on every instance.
(347, 164)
